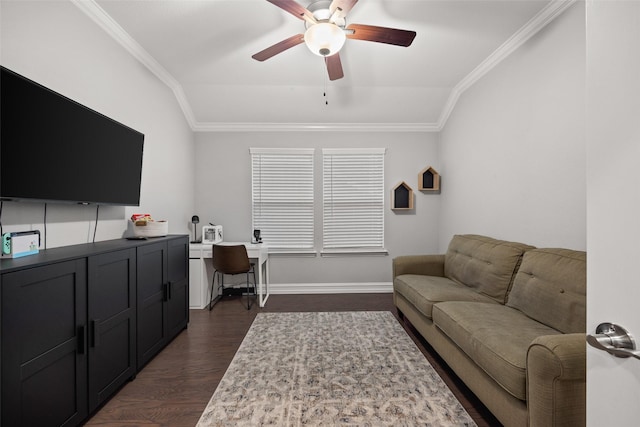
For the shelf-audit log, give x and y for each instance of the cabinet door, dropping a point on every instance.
(112, 323)
(152, 292)
(178, 273)
(44, 338)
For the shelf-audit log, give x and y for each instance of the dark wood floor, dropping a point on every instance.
(174, 388)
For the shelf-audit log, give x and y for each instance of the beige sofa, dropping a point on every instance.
(509, 319)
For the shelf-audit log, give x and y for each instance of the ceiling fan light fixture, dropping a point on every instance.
(324, 38)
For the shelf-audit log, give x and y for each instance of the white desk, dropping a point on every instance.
(201, 271)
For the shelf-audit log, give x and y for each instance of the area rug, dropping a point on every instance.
(341, 368)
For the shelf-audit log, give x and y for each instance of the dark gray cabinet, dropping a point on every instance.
(111, 323)
(178, 275)
(152, 294)
(163, 295)
(44, 347)
(74, 326)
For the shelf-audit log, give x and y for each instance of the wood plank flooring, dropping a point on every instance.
(174, 388)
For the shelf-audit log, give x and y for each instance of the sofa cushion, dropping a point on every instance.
(494, 336)
(550, 287)
(424, 291)
(484, 264)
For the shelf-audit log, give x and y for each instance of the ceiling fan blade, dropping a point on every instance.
(279, 47)
(334, 66)
(294, 8)
(344, 5)
(381, 34)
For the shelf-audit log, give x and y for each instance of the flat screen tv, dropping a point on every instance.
(53, 149)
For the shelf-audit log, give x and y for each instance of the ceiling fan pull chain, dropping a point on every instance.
(326, 84)
(326, 88)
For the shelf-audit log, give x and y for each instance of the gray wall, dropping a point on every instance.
(57, 45)
(513, 151)
(512, 159)
(223, 183)
(512, 155)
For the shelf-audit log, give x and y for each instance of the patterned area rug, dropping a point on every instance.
(344, 368)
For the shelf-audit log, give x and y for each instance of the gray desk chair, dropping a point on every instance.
(231, 260)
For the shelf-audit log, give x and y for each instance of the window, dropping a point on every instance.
(353, 200)
(282, 197)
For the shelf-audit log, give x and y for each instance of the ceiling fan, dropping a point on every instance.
(326, 32)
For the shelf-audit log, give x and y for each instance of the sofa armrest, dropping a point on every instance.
(556, 380)
(427, 265)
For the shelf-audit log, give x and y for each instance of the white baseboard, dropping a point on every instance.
(331, 288)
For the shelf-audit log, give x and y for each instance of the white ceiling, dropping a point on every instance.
(203, 48)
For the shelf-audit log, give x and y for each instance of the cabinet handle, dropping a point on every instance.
(166, 291)
(95, 326)
(82, 339)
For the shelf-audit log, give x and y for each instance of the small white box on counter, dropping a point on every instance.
(211, 234)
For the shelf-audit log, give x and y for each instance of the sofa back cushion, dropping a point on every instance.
(551, 287)
(485, 264)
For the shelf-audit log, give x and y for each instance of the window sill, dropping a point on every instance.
(303, 253)
(354, 251)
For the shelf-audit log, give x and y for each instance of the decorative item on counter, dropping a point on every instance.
(141, 219)
(143, 225)
(211, 234)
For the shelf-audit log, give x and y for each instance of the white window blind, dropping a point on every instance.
(353, 199)
(282, 197)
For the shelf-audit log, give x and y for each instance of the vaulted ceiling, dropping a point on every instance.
(202, 49)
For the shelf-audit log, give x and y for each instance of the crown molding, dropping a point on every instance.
(111, 27)
(538, 22)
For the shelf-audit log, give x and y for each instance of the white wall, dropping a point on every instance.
(513, 151)
(57, 45)
(223, 177)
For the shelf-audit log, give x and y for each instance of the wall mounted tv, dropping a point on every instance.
(53, 149)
